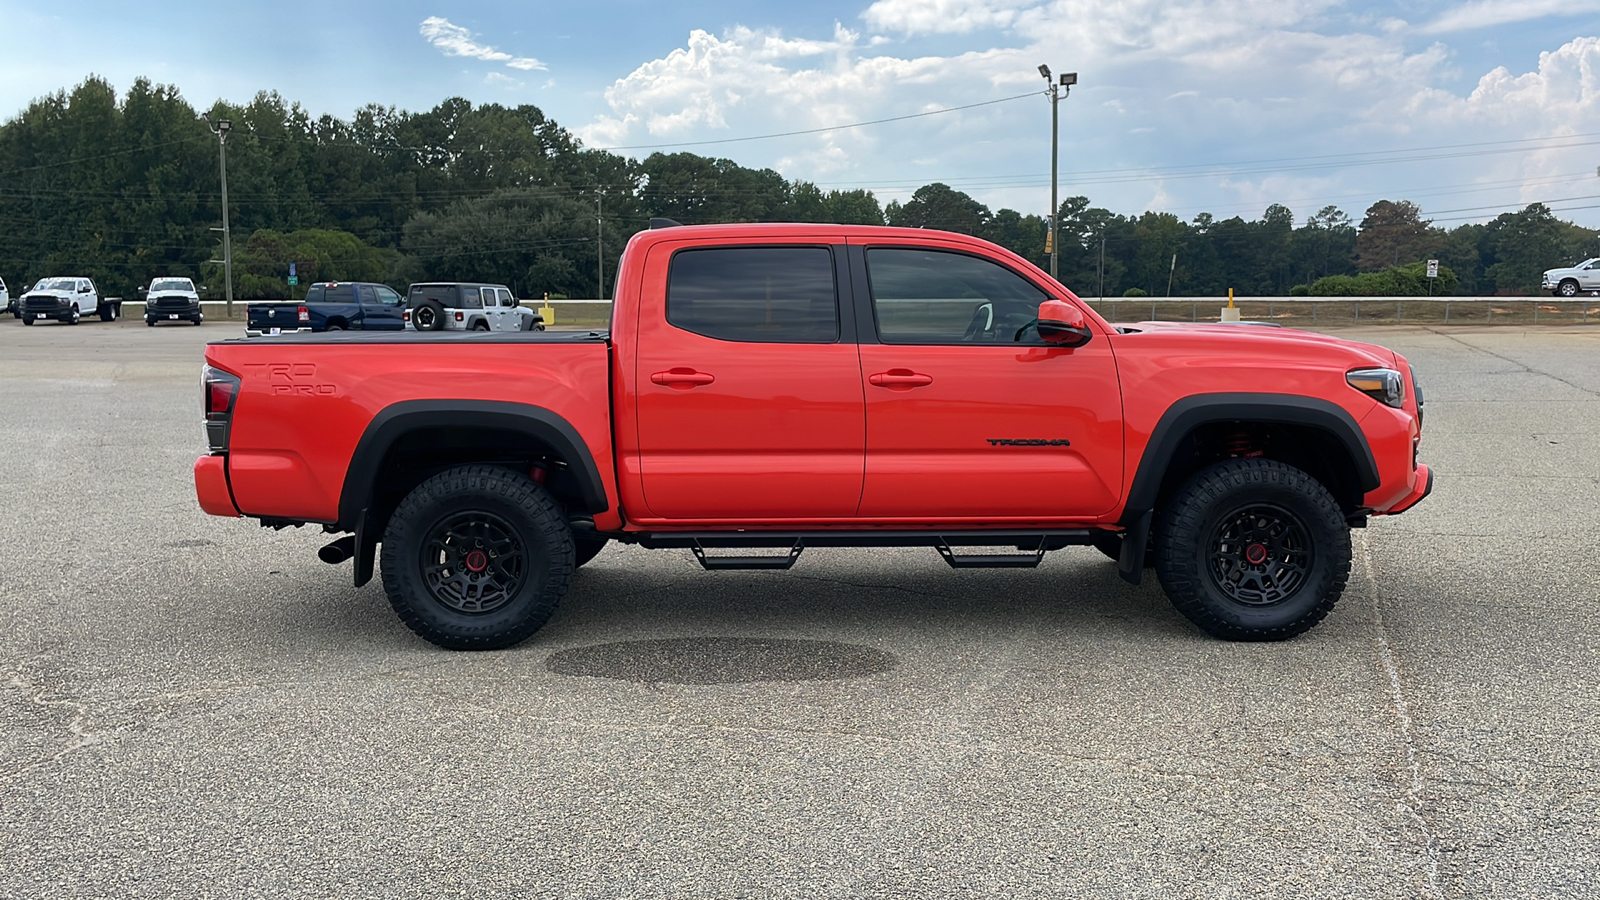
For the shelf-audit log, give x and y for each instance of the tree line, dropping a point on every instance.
(123, 189)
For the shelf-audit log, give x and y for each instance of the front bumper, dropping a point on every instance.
(1420, 489)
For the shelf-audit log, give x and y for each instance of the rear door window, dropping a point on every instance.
(781, 295)
(369, 297)
(470, 299)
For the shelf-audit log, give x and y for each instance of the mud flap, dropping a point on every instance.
(1130, 565)
(366, 551)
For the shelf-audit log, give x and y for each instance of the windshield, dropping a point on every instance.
(57, 284)
(172, 284)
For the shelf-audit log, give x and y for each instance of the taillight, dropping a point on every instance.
(461, 317)
(405, 316)
(305, 314)
(219, 390)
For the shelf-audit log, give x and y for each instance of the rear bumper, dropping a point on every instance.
(258, 332)
(1420, 489)
(211, 486)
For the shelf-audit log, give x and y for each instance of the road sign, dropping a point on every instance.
(291, 270)
(293, 280)
(1433, 268)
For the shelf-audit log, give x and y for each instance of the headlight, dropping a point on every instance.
(1383, 385)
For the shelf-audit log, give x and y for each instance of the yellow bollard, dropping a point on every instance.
(1230, 313)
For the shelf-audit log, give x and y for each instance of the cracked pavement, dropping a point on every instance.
(198, 707)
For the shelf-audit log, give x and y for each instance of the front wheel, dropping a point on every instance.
(150, 322)
(75, 315)
(476, 558)
(1568, 288)
(1252, 550)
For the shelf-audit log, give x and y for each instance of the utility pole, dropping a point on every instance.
(221, 129)
(1170, 270)
(1056, 91)
(1102, 270)
(599, 244)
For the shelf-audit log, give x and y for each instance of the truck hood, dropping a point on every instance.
(50, 295)
(1263, 340)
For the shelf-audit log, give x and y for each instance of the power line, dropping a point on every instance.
(762, 137)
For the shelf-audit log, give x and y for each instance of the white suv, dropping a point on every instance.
(467, 306)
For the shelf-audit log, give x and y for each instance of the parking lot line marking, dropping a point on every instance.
(1412, 804)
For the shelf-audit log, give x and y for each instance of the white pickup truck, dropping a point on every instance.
(1573, 280)
(66, 300)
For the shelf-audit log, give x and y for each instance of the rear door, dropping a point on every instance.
(969, 413)
(749, 402)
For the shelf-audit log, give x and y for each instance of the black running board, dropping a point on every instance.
(1034, 545)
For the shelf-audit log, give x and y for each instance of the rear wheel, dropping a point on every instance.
(1252, 550)
(480, 325)
(107, 313)
(476, 558)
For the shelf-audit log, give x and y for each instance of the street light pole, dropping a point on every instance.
(1056, 91)
(221, 130)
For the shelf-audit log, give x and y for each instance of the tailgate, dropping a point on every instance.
(262, 316)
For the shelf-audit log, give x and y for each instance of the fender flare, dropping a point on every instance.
(394, 422)
(1194, 411)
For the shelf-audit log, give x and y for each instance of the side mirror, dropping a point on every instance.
(1063, 324)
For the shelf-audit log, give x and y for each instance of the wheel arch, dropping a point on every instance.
(1328, 433)
(416, 436)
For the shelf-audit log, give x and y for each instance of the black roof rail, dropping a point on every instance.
(664, 223)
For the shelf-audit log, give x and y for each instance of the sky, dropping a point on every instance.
(1181, 106)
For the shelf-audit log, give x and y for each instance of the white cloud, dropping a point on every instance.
(1488, 13)
(457, 41)
(1164, 83)
(942, 16)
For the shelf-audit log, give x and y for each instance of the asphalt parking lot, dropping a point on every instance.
(192, 706)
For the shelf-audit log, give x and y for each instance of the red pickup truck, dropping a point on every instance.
(794, 386)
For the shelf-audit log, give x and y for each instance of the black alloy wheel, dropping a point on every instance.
(473, 561)
(477, 558)
(1261, 555)
(1252, 550)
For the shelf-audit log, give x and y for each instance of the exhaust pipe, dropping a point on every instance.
(338, 551)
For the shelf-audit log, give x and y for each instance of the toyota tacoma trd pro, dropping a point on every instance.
(798, 386)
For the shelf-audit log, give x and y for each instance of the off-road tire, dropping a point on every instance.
(494, 502)
(428, 316)
(480, 325)
(1568, 288)
(586, 547)
(1208, 532)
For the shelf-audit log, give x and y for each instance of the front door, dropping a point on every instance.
(749, 402)
(969, 413)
